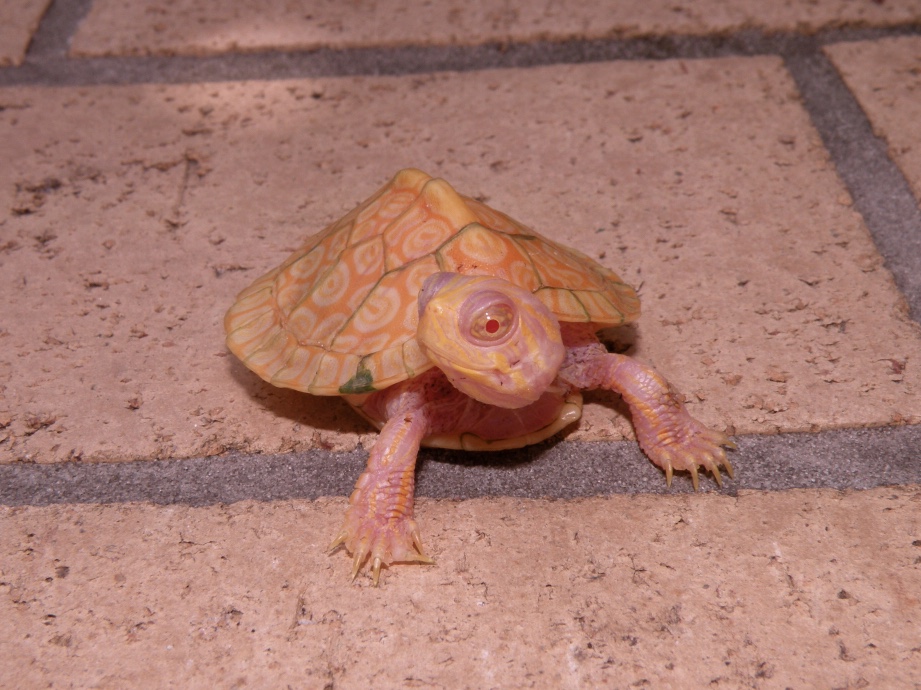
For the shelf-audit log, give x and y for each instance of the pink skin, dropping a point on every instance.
(666, 432)
(379, 525)
(510, 365)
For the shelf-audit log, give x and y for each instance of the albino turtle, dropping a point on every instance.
(446, 323)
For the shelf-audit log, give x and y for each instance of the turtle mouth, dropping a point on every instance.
(491, 386)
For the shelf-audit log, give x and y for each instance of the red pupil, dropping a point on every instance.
(492, 326)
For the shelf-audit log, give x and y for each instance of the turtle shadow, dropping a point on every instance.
(448, 473)
(622, 340)
(326, 413)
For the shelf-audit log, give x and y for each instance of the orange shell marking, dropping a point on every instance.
(339, 316)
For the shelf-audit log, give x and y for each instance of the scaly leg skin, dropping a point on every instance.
(666, 432)
(379, 525)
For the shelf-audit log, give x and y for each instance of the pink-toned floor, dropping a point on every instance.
(158, 157)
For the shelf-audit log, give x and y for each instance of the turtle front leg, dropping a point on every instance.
(665, 430)
(379, 525)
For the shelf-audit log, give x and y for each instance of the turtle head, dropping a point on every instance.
(494, 341)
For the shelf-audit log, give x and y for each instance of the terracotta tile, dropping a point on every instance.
(131, 217)
(797, 589)
(189, 27)
(885, 76)
(18, 21)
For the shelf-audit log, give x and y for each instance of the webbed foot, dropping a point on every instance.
(377, 539)
(677, 441)
(379, 527)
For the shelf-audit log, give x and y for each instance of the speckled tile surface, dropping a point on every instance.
(802, 589)
(131, 213)
(125, 239)
(885, 76)
(115, 27)
(18, 21)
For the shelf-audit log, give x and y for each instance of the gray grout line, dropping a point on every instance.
(880, 191)
(853, 459)
(47, 64)
(325, 62)
(58, 25)
(850, 459)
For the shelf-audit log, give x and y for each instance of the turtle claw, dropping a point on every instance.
(687, 445)
(419, 555)
(360, 554)
(337, 542)
(379, 543)
(714, 469)
(694, 479)
(382, 553)
(377, 562)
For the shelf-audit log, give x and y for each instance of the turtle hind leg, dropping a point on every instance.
(665, 430)
(379, 527)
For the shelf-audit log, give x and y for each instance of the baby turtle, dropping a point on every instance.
(446, 323)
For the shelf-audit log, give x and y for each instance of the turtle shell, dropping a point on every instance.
(339, 316)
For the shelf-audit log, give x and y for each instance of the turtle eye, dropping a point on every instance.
(490, 321)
